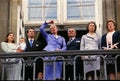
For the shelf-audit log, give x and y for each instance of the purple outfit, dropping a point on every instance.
(53, 43)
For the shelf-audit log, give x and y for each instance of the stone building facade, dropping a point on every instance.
(8, 15)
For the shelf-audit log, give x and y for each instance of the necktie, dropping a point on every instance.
(31, 43)
(69, 42)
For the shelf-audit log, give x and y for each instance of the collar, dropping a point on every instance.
(31, 39)
(72, 38)
(56, 36)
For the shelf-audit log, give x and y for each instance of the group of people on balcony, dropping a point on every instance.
(55, 42)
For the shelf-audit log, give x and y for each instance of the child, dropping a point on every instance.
(22, 44)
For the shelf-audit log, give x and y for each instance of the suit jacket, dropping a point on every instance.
(115, 39)
(74, 45)
(36, 46)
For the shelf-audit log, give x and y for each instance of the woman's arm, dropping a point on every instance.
(82, 44)
(5, 48)
(42, 30)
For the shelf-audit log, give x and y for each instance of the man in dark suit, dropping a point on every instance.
(72, 44)
(32, 45)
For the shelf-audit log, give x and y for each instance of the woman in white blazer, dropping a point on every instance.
(91, 41)
(13, 71)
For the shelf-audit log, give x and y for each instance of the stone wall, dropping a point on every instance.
(4, 19)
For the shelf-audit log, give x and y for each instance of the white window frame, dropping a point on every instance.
(73, 21)
(25, 10)
(99, 16)
(62, 15)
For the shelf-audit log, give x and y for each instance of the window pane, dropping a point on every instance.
(50, 9)
(80, 9)
(88, 9)
(35, 14)
(42, 10)
(73, 10)
(50, 13)
(73, 2)
(35, 2)
(88, 1)
(88, 12)
(50, 2)
(73, 13)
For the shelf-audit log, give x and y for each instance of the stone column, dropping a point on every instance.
(108, 11)
(4, 18)
(117, 10)
(13, 16)
(4, 24)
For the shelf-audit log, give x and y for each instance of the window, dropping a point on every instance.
(39, 10)
(80, 9)
(61, 11)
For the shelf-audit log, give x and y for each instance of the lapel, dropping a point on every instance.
(34, 43)
(28, 44)
(71, 42)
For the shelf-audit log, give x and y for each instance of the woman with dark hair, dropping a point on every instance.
(111, 40)
(90, 41)
(13, 71)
